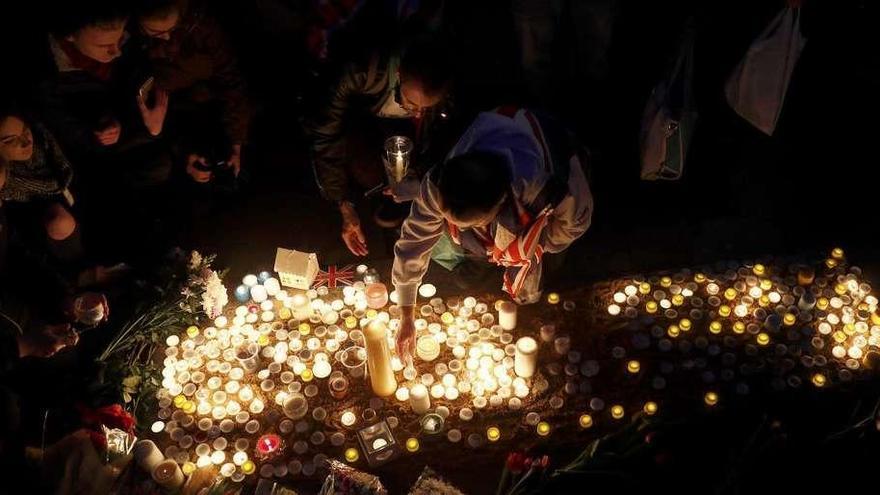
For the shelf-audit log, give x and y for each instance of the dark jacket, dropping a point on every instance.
(76, 103)
(197, 65)
(367, 86)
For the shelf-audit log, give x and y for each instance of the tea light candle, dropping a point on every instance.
(438, 391)
(562, 345)
(427, 348)
(427, 290)
(168, 475)
(526, 358)
(543, 429)
(322, 369)
(507, 315)
(348, 419)
(412, 444)
(711, 398)
(585, 421)
(418, 399)
(493, 434)
(553, 298)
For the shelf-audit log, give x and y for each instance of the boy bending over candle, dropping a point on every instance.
(512, 189)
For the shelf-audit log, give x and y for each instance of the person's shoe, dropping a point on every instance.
(389, 215)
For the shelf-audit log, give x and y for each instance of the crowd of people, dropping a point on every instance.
(140, 110)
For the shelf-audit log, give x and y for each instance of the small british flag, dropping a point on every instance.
(334, 277)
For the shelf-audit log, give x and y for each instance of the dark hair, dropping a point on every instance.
(472, 184)
(159, 8)
(71, 16)
(428, 59)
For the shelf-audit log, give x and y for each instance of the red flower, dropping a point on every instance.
(516, 462)
(112, 416)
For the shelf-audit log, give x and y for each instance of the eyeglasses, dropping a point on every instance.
(22, 140)
(407, 105)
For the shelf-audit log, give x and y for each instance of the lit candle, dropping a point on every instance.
(379, 359)
(526, 358)
(322, 369)
(427, 290)
(348, 419)
(617, 411)
(543, 429)
(427, 348)
(650, 408)
(553, 298)
(351, 455)
(493, 434)
(412, 444)
(507, 315)
(633, 366)
(299, 306)
(418, 399)
(259, 293)
(585, 421)
(377, 295)
(167, 474)
(711, 398)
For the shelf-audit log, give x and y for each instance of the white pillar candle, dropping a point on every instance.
(526, 358)
(147, 455)
(418, 399)
(379, 359)
(167, 474)
(507, 315)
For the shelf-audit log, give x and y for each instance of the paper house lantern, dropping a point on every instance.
(295, 268)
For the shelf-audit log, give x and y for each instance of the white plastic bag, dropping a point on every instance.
(756, 88)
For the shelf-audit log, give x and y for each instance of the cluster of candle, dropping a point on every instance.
(832, 305)
(219, 382)
(476, 362)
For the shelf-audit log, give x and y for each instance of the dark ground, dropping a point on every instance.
(809, 187)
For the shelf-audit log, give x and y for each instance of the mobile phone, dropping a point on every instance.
(146, 88)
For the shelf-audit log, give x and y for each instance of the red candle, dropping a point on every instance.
(268, 443)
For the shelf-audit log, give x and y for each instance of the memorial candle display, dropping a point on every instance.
(252, 371)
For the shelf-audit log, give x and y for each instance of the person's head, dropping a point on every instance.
(95, 27)
(472, 187)
(425, 74)
(158, 19)
(16, 140)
